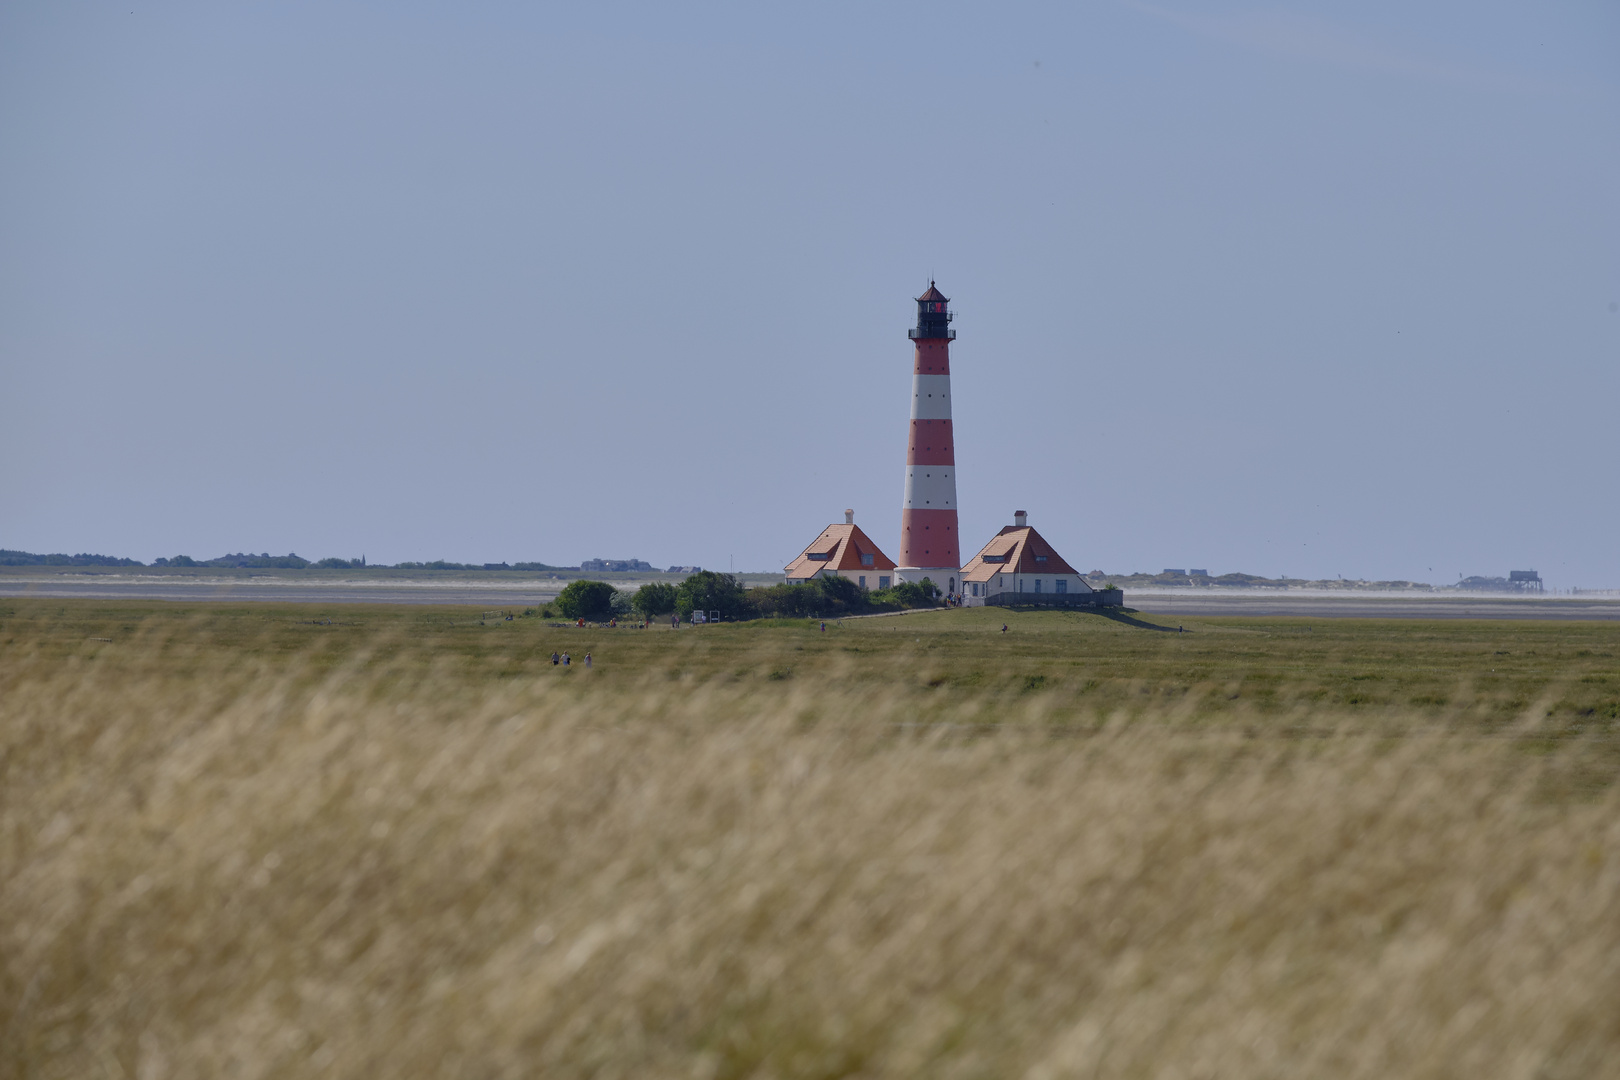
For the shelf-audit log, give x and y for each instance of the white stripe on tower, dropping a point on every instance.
(930, 487)
(931, 397)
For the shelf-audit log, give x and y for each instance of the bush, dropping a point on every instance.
(818, 596)
(907, 594)
(709, 591)
(591, 600)
(655, 598)
(779, 601)
(825, 596)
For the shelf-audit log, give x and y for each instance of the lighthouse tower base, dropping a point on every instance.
(948, 579)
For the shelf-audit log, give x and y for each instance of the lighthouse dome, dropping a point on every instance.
(933, 316)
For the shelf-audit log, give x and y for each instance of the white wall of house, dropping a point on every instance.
(873, 577)
(948, 578)
(1044, 584)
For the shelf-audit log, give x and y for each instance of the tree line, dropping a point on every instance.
(709, 592)
(28, 558)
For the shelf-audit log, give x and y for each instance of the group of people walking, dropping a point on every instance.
(565, 661)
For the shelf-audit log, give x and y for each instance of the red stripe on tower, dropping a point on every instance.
(928, 532)
(930, 443)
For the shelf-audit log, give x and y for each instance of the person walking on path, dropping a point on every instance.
(823, 626)
(565, 660)
(587, 659)
(1003, 628)
(554, 659)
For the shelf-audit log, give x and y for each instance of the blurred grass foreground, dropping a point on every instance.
(271, 841)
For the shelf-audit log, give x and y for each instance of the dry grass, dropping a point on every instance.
(220, 858)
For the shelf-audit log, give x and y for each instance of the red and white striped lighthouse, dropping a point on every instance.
(928, 533)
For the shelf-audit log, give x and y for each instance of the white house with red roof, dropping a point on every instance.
(1019, 566)
(843, 551)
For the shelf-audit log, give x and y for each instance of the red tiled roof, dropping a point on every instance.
(1020, 544)
(844, 545)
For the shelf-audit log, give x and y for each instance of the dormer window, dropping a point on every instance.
(868, 560)
(1040, 558)
(995, 558)
(818, 556)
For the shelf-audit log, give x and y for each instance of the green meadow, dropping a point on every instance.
(284, 841)
(1489, 673)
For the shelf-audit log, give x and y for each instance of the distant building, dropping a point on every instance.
(843, 551)
(1198, 573)
(1525, 580)
(684, 570)
(1516, 581)
(601, 565)
(1178, 573)
(1019, 566)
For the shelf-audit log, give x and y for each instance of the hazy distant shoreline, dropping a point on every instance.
(520, 589)
(493, 587)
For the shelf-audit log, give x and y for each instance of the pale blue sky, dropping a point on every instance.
(1317, 289)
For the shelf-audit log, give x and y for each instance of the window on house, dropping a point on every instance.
(819, 556)
(883, 583)
(1040, 558)
(1037, 584)
(868, 560)
(1061, 586)
(863, 581)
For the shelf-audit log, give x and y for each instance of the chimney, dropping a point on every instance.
(849, 517)
(1020, 518)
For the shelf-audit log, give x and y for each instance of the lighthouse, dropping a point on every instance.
(928, 533)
